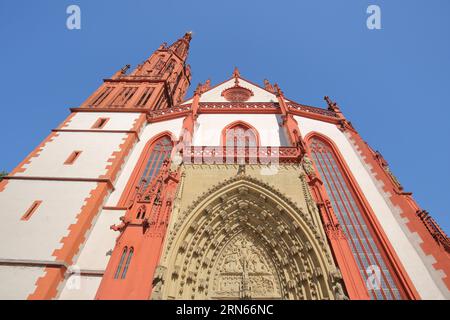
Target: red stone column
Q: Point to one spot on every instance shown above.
(354, 283)
(143, 228)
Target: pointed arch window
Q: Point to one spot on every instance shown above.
(122, 259)
(240, 135)
(160, 151)
(148, 165)
(125, 258)
(127, 264)
(372, 263)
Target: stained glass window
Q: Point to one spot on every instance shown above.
(350, 214)
(159, 152)
(241, 136)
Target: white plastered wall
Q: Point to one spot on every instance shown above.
(93, 258)
(80, 287)
(117, 120)
(407, 254)
(97, 249)
(17, 282)
(97, 149)
(37, 238)
(95, 253)
(215, 94)
(209, 128)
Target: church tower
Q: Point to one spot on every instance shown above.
(237, 192)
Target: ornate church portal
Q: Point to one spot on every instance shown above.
(244, 240)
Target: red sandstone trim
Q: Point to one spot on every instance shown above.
(119, 110)
(112, 208)
(31, 210)
(3, 184)
(100, 123)
(409, 208)
(47, 285)
(35, 153)
(118, 157)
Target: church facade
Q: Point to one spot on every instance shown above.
(235, 193)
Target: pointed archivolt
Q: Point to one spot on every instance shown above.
(243, 239)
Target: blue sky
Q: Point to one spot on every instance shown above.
(393, 84)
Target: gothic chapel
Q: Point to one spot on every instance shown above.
(235, 193)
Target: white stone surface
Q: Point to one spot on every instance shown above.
(17, 282)
(117, 120)
(100, 242)
(79, 287)
(97, 149)
(215, 94)
(210, 126)
(37, 238)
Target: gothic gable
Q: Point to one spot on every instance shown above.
(218, 93)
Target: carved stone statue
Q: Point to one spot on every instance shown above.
(338, 292)
(336, 287)
(158, 281)
(308, 166)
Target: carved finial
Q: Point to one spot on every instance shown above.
(277, 89)
(163, 46)
(236, 72)
(188, 35)
(268, 86)
(199, 88)
(121, 72)
(125, 69)
(206, 86)
(331, 104)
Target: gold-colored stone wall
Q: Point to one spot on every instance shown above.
(245, 232)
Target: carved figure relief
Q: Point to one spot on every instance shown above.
(244, 271)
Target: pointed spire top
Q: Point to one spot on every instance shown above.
(236, 75)
(236, 72)
(188, 36)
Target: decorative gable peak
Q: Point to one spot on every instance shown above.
(237, 93)
(235, 89)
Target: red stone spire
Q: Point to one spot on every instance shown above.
(159, 82)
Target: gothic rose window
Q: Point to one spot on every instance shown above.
(352, 218)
